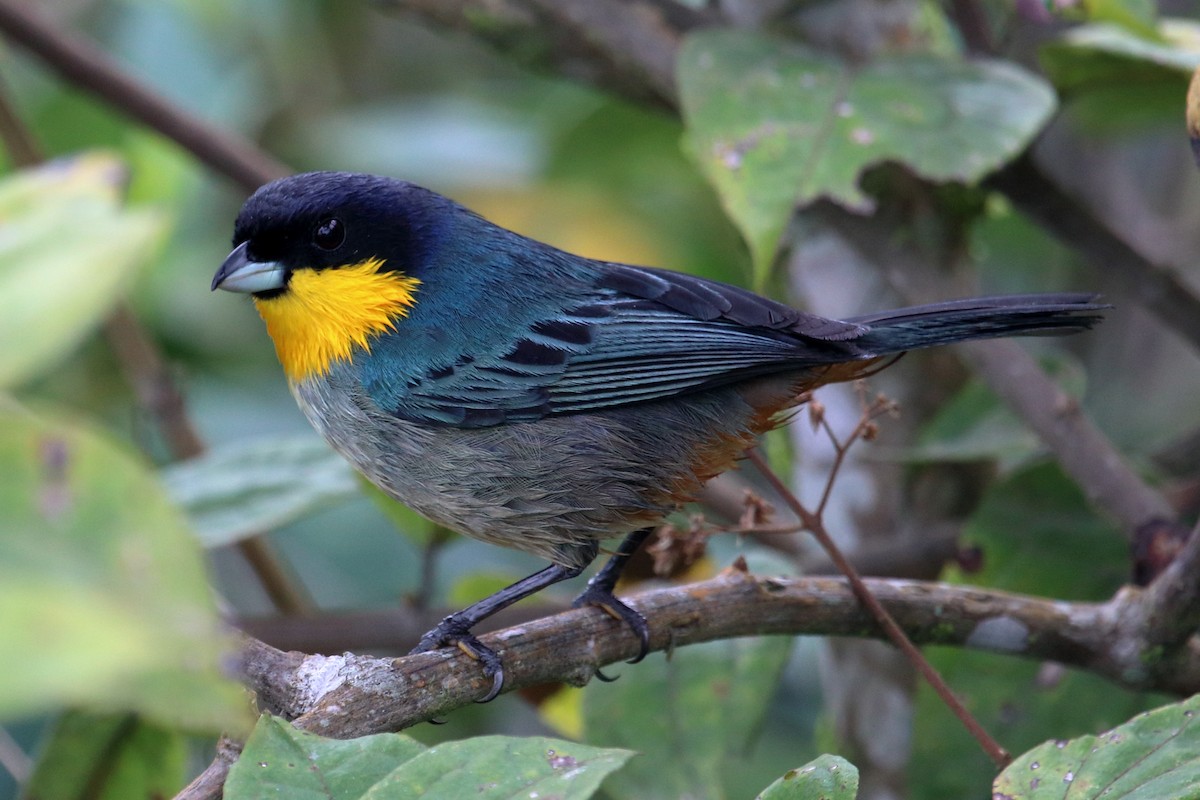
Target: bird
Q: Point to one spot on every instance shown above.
(536, 399)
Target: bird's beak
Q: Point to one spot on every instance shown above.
(240, 274)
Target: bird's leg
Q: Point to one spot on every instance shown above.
(599, 592)
(456, 628)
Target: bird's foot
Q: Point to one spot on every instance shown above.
(600, 595)
(451, 631)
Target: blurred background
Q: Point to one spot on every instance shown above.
(369, 87)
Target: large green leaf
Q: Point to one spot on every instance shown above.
(1097, 53)
(108, 757)
(241, 490)
(1114, 81)
(67, 249)
(1037, 532)
(280, 761)
(824, 778)
(103, 596)
(774, 125)
(1154, 756)
(690, 715)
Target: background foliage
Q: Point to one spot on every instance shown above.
(109, 647)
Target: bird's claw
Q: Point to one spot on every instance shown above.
(449, 632)
(603, 598)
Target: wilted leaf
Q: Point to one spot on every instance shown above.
(774, 125)
(1154, 756)
(67, 249)
(103, 597)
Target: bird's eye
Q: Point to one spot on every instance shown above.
(329, 234)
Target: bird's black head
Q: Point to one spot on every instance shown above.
(327, 220)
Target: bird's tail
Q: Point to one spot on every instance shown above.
(977, 318)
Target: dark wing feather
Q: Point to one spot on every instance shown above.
(645, 335)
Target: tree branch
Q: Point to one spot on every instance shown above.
(1082, 450)
(1157, 288)
(626, 47)
(80, 63)
(1170, 607)
(346, 695)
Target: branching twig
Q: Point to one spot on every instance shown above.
(814, 522)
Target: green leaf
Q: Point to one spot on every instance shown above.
(67, 252)
(496, 767)
(689, 716)
(109, 757)
(233, 492)
(974, 425)
(1136, 16)
(1019, 702)
(1036, 530)
(1154, 756)
(1038, 535)
(774, 125)
(1115, 81)
(103, 596)
(1098, 53)
(824, 778)
(281, 761)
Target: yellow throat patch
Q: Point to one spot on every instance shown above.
(324, 314)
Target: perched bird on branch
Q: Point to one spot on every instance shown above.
(536, 399)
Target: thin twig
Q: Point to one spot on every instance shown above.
(80, 63)
(894, 632)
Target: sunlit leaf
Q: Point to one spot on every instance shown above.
(67, 249)
(103, 597)
(775, 125)
(1154, 756)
